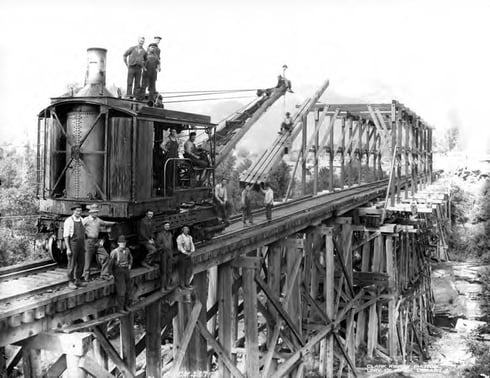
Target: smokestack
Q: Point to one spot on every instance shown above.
(95, 75)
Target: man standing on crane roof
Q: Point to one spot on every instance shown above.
(135, 59)
(156, 41)
(150, 72)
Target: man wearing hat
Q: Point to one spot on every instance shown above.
(120, 264)
(95, 245)
(156, 41)
(165, 245)
(152, 66)
(74, 236)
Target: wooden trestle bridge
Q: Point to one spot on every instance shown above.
(338, 274)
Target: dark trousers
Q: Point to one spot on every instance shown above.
(169, 177)
(247, 214)
(76, 261)
(134, 75)
(149, 80)
(268, 211)
(222, 209)
(165, 267)
(151, 252)
(199, 163)
(123, 286)
(92, 248)
(185, 269)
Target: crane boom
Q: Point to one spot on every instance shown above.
(259, 171)
(232, 130)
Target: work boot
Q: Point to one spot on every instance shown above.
(72, 285)
(144, 264)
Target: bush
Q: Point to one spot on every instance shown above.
(18, 206)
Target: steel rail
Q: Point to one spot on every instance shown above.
(23, 269)
(312, 203)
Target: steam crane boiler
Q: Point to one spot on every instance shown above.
(95, 148)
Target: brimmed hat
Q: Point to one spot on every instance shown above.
(157, 37)
(121, 239)
(76, 206)
(93, 208)
(166, 221)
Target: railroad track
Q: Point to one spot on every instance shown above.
(278, 210)
(25, 269)
(26, 280)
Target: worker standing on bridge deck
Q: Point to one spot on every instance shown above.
(221, 199)
(74, 236)
(165, 246)
(94, 245)
(268, 201)
(120, 265)
(246, 205)
(186, 247)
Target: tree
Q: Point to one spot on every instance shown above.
(279, 179)
(18, 206)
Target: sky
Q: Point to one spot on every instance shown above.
(432, 56)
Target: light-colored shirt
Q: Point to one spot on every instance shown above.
(190, 148)
(69, 226)
(185, 244)
(92, 226)
(220, 192)
(269, 197)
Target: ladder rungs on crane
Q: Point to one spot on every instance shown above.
(259, 171)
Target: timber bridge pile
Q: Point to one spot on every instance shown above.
(337, 277)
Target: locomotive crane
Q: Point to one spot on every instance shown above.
(95, 148)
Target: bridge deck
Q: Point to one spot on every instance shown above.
(33, 300)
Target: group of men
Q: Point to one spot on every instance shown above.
(143, 67)
(160, 250)
(81, 236)
(165, 157)
(221, 201)
(83, 241)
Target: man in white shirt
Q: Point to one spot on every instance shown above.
(185, 246)
(74, 236)
(268, 201)
(94, 245)
(221, 199)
